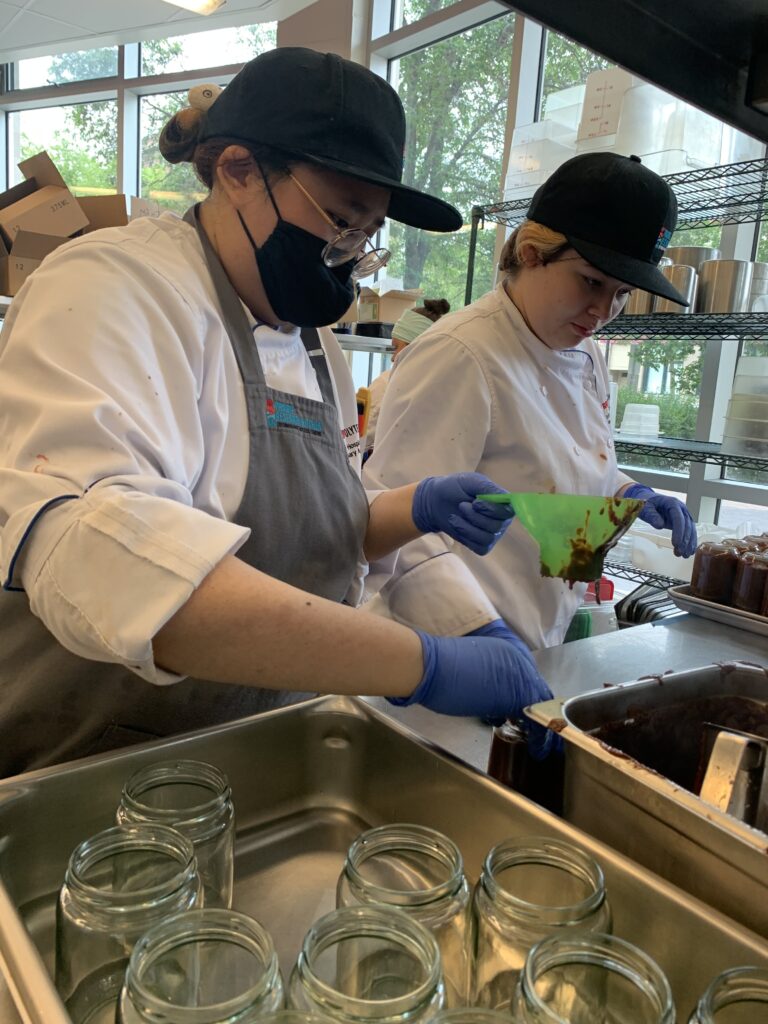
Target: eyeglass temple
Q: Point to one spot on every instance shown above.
(316, 205)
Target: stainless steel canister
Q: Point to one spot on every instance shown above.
(685, 280)
(724, 286)
(638, 302)
(692, 255)
(759, 287)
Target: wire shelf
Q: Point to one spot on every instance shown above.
(695, 451)
(708, 196)
(628, 572)
(694, 326)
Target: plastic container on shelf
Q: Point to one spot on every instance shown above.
(759, 287)
(670, 135)
(640, 420)
(738, 146)
(748, 406)
(751, 375)
(536, 150)
(603, 99)
(565, 105)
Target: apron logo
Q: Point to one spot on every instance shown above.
(283, 414)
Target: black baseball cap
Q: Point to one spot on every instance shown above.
(616, 213)
(328, 111)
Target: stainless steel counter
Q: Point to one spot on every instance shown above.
(684, 641)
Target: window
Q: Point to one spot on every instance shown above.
(455, 99)
(66, 67)
(207, 49)
(81, 139)
(174, 186)
(405, 12)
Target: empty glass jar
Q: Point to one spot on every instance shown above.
(202, 967)
(585, 979)
(363, 965)
(194, 798)
(117, 885)
(420, 871)
(738, 996)
(529, 888)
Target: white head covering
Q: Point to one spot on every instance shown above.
(410, 325)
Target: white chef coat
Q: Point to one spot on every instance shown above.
(479, 391)
(376, 390)
(119, 386)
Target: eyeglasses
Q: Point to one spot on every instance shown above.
(348, 244)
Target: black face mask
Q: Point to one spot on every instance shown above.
(300, 288)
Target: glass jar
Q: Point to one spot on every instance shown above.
(117, 885)
(202, 967)
(362, 965)
(421, 872)
(713, 573)
(734, 997)
(529, 888)
(750, 584)
(194, 798)
(510, 764)
(583, 979)
(471, 1015)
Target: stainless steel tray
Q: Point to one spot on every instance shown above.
(686, 601)
(646, 816)
(305, 781)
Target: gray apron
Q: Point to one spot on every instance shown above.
(307, 512)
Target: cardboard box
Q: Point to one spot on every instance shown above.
(28, 252)
(42, 203)
(387, 307)
(114, 211)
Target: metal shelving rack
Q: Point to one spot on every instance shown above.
(733, 194)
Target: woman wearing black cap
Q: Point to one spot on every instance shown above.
(529, 406)
(179, 467)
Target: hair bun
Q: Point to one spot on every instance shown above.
(201, 97)
(437, 306)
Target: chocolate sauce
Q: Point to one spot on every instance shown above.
(751, 580)
(714, 571)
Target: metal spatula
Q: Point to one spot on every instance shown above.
(736, 780)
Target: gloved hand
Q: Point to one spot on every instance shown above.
(541, 741)
(485, 677)
(446, 504)
(665, 513)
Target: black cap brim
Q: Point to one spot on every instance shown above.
(407, 205)
(638, 273)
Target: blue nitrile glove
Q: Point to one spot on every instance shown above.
(484, 677)
(541, 741)
(446, 504)
(665, 513)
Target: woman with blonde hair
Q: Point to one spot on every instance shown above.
(515, 386)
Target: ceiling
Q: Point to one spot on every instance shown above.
(712, 53)
(36, 28)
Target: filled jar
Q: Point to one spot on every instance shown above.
(713, 573)
(194, 798)
(421, 872)
(202, 967)
(749, 585)
(529, 889)
(583, 979)
(363, 965)
(117, 885)
(737, 996)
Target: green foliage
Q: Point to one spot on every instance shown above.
(568, 64)
(677, 418)
(680, 358)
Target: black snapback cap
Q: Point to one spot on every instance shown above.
(616, 213)
(330, 111)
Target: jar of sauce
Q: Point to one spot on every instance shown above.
(749, 585)
(714, 572)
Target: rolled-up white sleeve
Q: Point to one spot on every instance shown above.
(102, 362)
(420, 434)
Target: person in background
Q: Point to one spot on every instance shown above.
(515, 386)
(182, 523)
(411, 324)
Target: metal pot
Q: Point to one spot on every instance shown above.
(724, 286)
(685, 280)
(638, 302)
(692, 255)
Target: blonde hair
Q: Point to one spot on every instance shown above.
(548, 244)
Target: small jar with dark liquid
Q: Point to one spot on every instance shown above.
(740, 544)
(759, 540)
(714, 571)
(749, 586)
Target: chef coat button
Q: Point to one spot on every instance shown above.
(543, 390)
(576, 451)
(610, 443)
